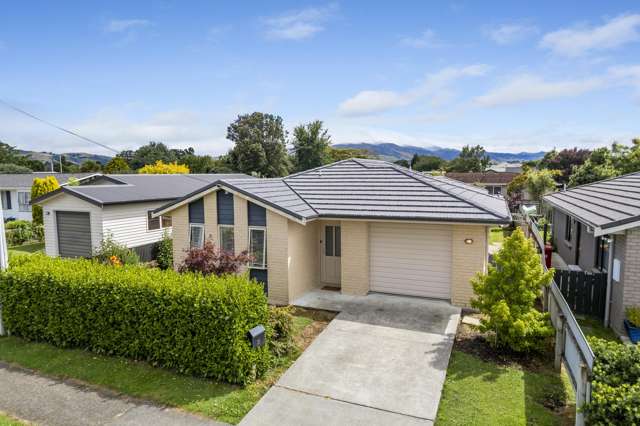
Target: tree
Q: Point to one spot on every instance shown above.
(403, 163)
(310, 146)
(338, 154)
(161, 168)
(10, 168)
(540, 182)
(564, 161)
(40, 187)
(150, 154)
(260, 145)
(117, 165)
(470, 159)
(507, 293)
(427, 163)
(600, 165)
(90, 166)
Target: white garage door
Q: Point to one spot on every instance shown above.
(411, 259)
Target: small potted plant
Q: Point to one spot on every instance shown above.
(632, 323)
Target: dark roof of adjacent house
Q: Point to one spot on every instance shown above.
(487, 178)
(25, 180)
(367, 189)
(135, 188)
(605, 204)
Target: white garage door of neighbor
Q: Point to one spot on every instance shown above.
(411, 259)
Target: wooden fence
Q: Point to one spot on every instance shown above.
(585, 292)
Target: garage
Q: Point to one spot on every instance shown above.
(410, 259)
(74, 234)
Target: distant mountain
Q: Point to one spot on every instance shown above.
(392, 152)
(73, 157)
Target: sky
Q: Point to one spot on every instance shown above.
(511, 76)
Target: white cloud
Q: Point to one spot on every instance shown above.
(510, 33)
(298, 24)
(577, 41)
(375, 101)
(527, 87)
(426, 39)
(123, 25)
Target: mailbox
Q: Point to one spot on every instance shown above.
(256, 336)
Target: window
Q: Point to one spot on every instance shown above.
(166, 221)
(153, 223)
(258, 247)
(24, 201)
(602, 253)
(6, 200)
(497, 190)
(226, 238)
(196, 235)
(568, 228)
(332, 243)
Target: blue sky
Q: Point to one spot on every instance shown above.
(512, 76)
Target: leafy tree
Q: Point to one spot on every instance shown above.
(40, 187)
(90, 166)
(10, 155)
(116, 165)
(10, 168)
(507, 293)
(161, 168)
(600, 165)
(338, 154)
(260, 145)
(403, 163)
(427, 163)
(540, 182)
(470, 159)
(310, 146)
(564, 161)
(210, 259)
(150, 154)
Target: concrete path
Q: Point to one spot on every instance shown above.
(381, 361)
(47, 401)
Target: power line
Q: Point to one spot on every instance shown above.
(28, 114)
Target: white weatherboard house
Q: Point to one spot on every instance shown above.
(15, 192)
(357, 225)
(78, 218)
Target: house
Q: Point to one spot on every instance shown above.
(355, 225)
(597, 227)
(508, 167)
(15, 192)
(494, 182)
(78, 218)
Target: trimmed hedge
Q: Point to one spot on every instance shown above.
(194, 324)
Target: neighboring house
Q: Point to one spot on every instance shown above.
(356, 225)
(597, 227)
(506, 167)
(494, 182)
(15, 192)
(78, 218)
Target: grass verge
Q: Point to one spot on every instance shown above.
(6, 420)
(496, 236)
(220, 401)
(27, 248)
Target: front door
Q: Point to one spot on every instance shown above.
(331, 253)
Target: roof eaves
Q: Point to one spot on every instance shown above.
(66, 190)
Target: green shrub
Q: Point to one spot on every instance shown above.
(633, 314)
(164, 255)
(188, 322)
(280, 330)
(615, 384)
(507, 294)
(18, 232)
(110, 248)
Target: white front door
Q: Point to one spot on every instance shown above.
(331, 252)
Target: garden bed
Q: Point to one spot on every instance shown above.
(486, 386)
(217, 400)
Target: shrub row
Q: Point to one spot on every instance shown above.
(21, 231)
(188, 322)
(615, 384)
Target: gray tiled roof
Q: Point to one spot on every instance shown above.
(603, 204)
(25, 180)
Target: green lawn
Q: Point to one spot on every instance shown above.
(593, 328)
(496, 236)
(27, 248)
(9, 421)
(220, 401)
(481, 393)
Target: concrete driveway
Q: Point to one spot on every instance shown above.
(381, 361)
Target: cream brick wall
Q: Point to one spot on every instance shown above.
(277, 258)
(467, 260)
(180, 233)
(631, 269)
(304, 258)
(240, 224)
(355, 257)
(211, 218)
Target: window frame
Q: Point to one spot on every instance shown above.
(164, 219)
(568, 228)
(28, 205)
(254, 265)
(220, 243)
(150, 218)
(200, 244)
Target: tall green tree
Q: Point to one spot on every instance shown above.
(116, 165)
(564, 161)
(600, 165)
(260, 145)
(90, 166)
(338, 154)
(311, 144)
(150, 154)
(470, 159)
(427, 163)
(40, 187)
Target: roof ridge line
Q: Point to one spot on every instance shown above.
(598, 181)
(324, 166)
(301, 197)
